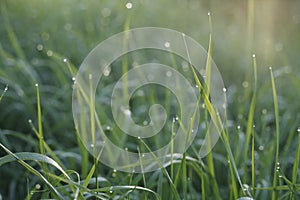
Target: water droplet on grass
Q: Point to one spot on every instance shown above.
(39, 47)
(49, 53)
(37, 186)
(139, 137)
(127, 112)
(261, 148)
(29, 121)
(126, 149)
(65, 60)
(6, 88)
(298, 130)
(90, 76)
(73, 79)
(167, 44)
(128, 5)
(106, 71)
(36, 85)
(253, 55)
(238, 127)
(168, 73)
(92, 145)
(245, 84)
(224, 89)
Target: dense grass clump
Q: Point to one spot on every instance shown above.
(42, 45)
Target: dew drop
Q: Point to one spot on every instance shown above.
(196, 86)
(203, 105)
(115, 170)
(90, 76)
(224, 105)
(245, 84)
(133, 171)
(127, 112)
(6, 88)
(106, 71)
(176, 118)
(145, 123)
(270, 68)
(168, 73)
(167, 44)
(92, 145)
(113, 175)
(36, 85)
(49, 53)
(128, 5)
(298, 130)
(29, 121)
(208, 13)
(143, 155)
(264, 111)
(37, 186)
(39, 47)
(65, 60)
(73, 79)
(261, 148)
(253, 125)
(224, 89)
(253, 55)
(238, 127)
(126, 149)
(139, 137)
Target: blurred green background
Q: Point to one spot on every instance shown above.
(37, 35)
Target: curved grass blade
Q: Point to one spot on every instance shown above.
(32, 156)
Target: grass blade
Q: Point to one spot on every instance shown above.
(14, 157)
(275, 100)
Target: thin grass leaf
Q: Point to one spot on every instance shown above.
(275, 100)
(250, 120)
(14, 157)
(173, 187)
(4, 91)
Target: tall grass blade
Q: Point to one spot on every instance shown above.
(250, 121)
(275, 100)
(296, 163)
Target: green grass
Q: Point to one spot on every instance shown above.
(42, 45)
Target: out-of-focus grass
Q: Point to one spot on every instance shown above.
(37, 36)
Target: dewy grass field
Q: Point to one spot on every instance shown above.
(255, 45)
